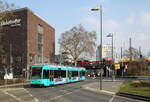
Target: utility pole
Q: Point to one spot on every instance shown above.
(100, 51)
(130, 48)
(122, 62)
(140, 52)
(101, 44)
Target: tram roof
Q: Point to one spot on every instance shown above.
(57, 67)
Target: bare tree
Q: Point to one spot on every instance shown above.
(5, 14)
(78, 42)
(134, 53)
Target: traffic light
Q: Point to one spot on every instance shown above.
(104, 62)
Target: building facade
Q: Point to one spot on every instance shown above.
(106, 52)
(26, 40)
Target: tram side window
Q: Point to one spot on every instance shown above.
(83, 73)
(46, 74)
(80, 73)
(63, 73)
(74, 73)
(59, 73)
(56, 74)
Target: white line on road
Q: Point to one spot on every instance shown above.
(112, 98)
(19, 99)
(35, 99)
(57, 97)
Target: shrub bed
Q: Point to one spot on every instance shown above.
(128, 87)
(141, 83)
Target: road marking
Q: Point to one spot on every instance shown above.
(28, 92)
(36, 100)
(112, 98)
(19, 99)
(57, 97)
(6, 91)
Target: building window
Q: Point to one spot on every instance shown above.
(40, 28)
(3, 59)
(32, 58)
(40, 38)
(40, 48)
(45, 60)
(39, 59)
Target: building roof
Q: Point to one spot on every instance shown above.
(26, 8)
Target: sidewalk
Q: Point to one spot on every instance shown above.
(112, 87)
(108, 86)
(14, 85)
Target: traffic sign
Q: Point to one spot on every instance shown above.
(117, 66)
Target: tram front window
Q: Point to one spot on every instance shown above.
(36, 72)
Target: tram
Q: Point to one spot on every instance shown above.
(47, 75)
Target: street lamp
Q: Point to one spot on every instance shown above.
(100, 9)
(112, 51)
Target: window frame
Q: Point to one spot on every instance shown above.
(40, 38)
(40, 28)
(32, 58)
(47, 75)
(40, 48)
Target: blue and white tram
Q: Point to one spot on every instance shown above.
(46, 75)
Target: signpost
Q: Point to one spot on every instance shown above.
(101, 75)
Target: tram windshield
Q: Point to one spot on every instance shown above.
(36, 72)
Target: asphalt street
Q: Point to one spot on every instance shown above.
(61, 93)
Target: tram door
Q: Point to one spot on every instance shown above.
(66, 76)
(79, 75)
(51, 75)
(70, 75)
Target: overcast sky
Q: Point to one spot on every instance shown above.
(124, 18)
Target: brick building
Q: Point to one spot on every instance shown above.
(26, 40)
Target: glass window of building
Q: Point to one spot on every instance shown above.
(40, 28)
(40, 38)
(45, 60)
(32, 58)
(40, 48)
(39, 59)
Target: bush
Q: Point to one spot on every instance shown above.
(141, 83)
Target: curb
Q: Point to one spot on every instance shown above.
(10, 85)
(97, 90)
(138, 97)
